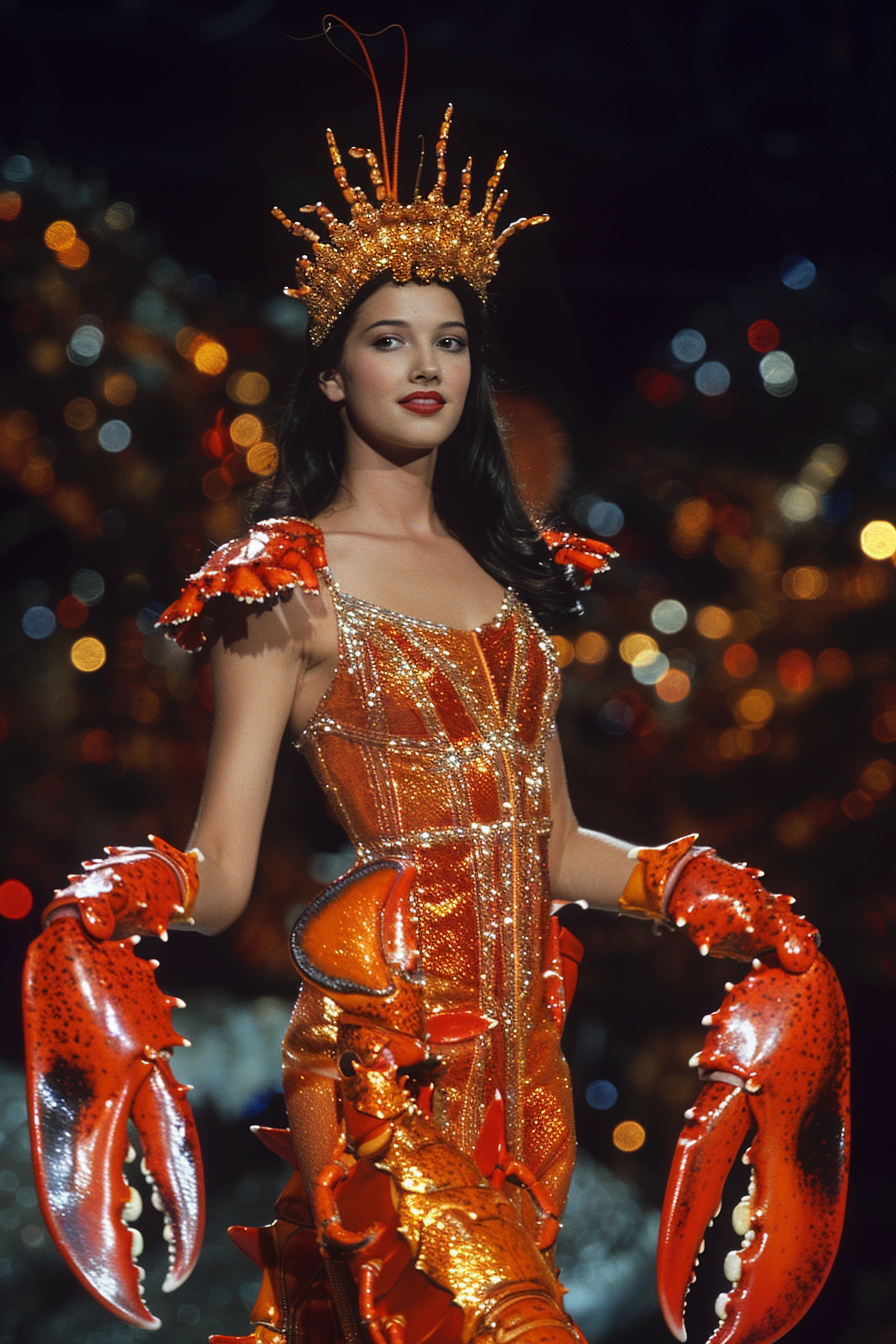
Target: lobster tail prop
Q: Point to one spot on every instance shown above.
(98, 1038)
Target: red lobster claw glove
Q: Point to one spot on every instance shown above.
(134, 890)
(98, 1038)
(723, 907)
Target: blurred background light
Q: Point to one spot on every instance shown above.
(16, 899)
(591, 647)
(119, 215)
(87, 586)
(262, 458)
(805, 582)
(605, 519)
(712, 378)
(10, 204)
(249, 388)
(633, 645)
(80, 413)
(778, 373)
(740, 660)
(85, 345)
(38, 622)
(713, 622)
(669, 616)
(629, 1136)
(763, 336)
(120, 389)
(88, 654)
(674, 687)
(18, 168)
(836, 506)
(601, 1094)
(648, 667)
(114, 436)
(209, 357)
(795, 671)
(797, 503)
(564, 649)
(754, 708)
(796, 272)
(60, 235)
(688, 346)
(878, 539)
(246, 430)
(615, 717)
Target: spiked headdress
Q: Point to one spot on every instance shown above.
(424, 241)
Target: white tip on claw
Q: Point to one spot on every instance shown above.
(704, 949)
(694, 1061)
(757, 964)
(721, 1306)
(707, 1020)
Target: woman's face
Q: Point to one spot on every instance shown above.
(403, 377)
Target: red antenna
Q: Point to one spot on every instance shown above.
(390, 174)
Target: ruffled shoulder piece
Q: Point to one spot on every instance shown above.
(277, 555)
(582, 555)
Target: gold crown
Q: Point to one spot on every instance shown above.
(426, 240)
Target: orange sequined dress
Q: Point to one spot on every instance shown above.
(429, 745)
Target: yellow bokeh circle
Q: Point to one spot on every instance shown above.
(262, 458)
(60, 235)
(629, 1136)
(209, 357)
(878, 540)
(246, 430)
(88, 654)
(633, 645)
(754, 708)
(713, 622)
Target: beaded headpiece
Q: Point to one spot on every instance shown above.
(424, 241)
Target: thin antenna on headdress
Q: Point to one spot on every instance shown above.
(390, 174)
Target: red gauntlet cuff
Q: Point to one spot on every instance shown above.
(138, 890)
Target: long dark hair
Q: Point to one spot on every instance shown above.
(473, 489)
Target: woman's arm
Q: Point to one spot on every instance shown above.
(585, 865)
(255, 682)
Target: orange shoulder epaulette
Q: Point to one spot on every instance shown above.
(583, 555)
(276, 555)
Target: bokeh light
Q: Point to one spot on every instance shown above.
(119, 389)
(605, 519)
(795, 671)
(97, 746)
(796, 272)
(248, 388)
(38, 622)
(633, 645)
(797, 503)
(615, 717)
(674, 687)
(763, 336)
(878, 776)
(262, 458)
(601, 1094)
(712, 378)
(88, 654)
(114, 436)
(85, 345)
(805, 582)
(10, 204)
(669, 616)
(208, 356)
(713, 622)
(688, 346)
(564, 649)
(16, 900)
(80, 413)
(754, 708)
(87, 586)
(649, 666)
(74, 257)
(119, 215)
(778, 373)
(629, 1136)
(740, 660)
(60, 235)
(246, 430)
(591, 647)
(878, 539)
(70, 612)
(834, 666)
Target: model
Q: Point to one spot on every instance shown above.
(383, 611)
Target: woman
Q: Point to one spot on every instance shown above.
(394, 641)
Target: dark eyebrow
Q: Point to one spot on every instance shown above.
(400, 322)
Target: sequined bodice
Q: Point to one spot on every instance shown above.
(430, 744)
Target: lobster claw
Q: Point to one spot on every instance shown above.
(98, 1038)
(777, 1057)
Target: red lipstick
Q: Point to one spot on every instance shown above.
(423, 403)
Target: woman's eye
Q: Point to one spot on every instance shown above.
(452, 343)
(386, 342)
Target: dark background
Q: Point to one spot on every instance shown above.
(682, 150)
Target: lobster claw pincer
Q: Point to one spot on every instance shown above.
(777, 1058)
(98, 1039)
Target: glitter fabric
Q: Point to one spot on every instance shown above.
(429, 745)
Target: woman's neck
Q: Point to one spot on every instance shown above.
(380, 495)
